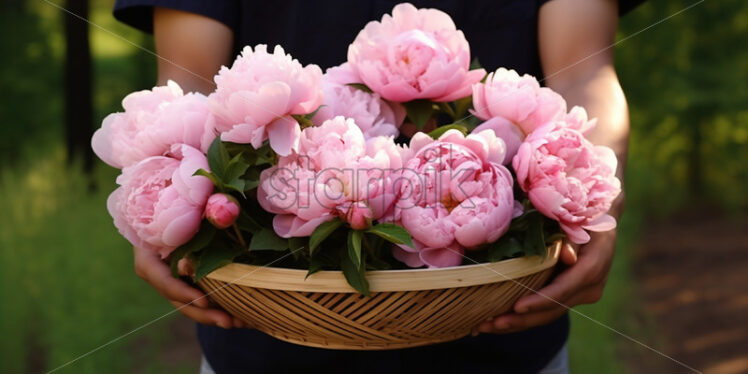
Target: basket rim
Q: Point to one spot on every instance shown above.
(286, 279)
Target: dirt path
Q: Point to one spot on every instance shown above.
(693, 276)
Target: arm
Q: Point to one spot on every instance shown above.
(191, 49)
(571, 35)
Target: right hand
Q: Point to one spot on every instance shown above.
(188, 300)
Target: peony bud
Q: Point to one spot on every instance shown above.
(359, 216)
(221, 210)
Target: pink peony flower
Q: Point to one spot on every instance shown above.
(159, 204)
(255, 98)
(221, 210)
(375, 116)
(454, 195)
(414, 54)
(507, 131)
(520, 100)
(335, 170)
(568, 179)
(577, 119)
(513, 106)
(153, 121)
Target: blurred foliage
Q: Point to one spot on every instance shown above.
(684, 79)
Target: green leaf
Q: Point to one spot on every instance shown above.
(235, 168)
(462, 106)
(312, 114)
(218, 158)
(201, 240)
(267, 239)
(534, 237)
(296, 244)
(354, 246)
(322, 232)
(439, 131)
(251, 184)
(377, 264)
(506, 247)
(237, 185)
(360, 86)
(315, 265)
(213, 178)
(392, 233)
(355, 275)
(447, 109)
(303, 121)
(475, 64)
(419, 111)
(213, 258)
(323, 260)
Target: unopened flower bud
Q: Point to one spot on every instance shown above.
(221, 210)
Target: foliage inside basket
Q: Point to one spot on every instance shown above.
(334, 245)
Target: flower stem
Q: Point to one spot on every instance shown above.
(239, 236)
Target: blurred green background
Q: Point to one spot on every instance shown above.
(67, 284)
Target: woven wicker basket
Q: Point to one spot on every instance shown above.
(406, 308)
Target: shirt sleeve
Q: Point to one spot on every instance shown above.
(139, 13)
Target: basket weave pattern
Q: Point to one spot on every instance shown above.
(385, 320)
(391, 319)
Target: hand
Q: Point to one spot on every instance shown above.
(582, 282)
(189, 300)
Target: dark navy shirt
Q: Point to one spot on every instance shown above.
(501, 33)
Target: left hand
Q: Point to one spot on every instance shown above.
(582, 282)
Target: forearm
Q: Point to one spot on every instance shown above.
(600, 93)
(575, 38)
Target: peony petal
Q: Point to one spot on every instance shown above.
(407, 255)
(287, 225)
(603, 223)
(576, 234)
(442, 257)
(506, 131)
(284, 134)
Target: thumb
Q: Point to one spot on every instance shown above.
(185, 267)
(568, 253)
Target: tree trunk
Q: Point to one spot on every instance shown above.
(78, 101)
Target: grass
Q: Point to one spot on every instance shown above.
(68, 285)
(597, 349)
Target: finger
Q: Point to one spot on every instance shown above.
(184, 267)
(238, 323)
(568, 253)
(158, 275)
(557, 292)
(177, 290)
(205, 316)
(512, 322)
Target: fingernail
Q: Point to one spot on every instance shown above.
(223, 325)
(521, 309)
